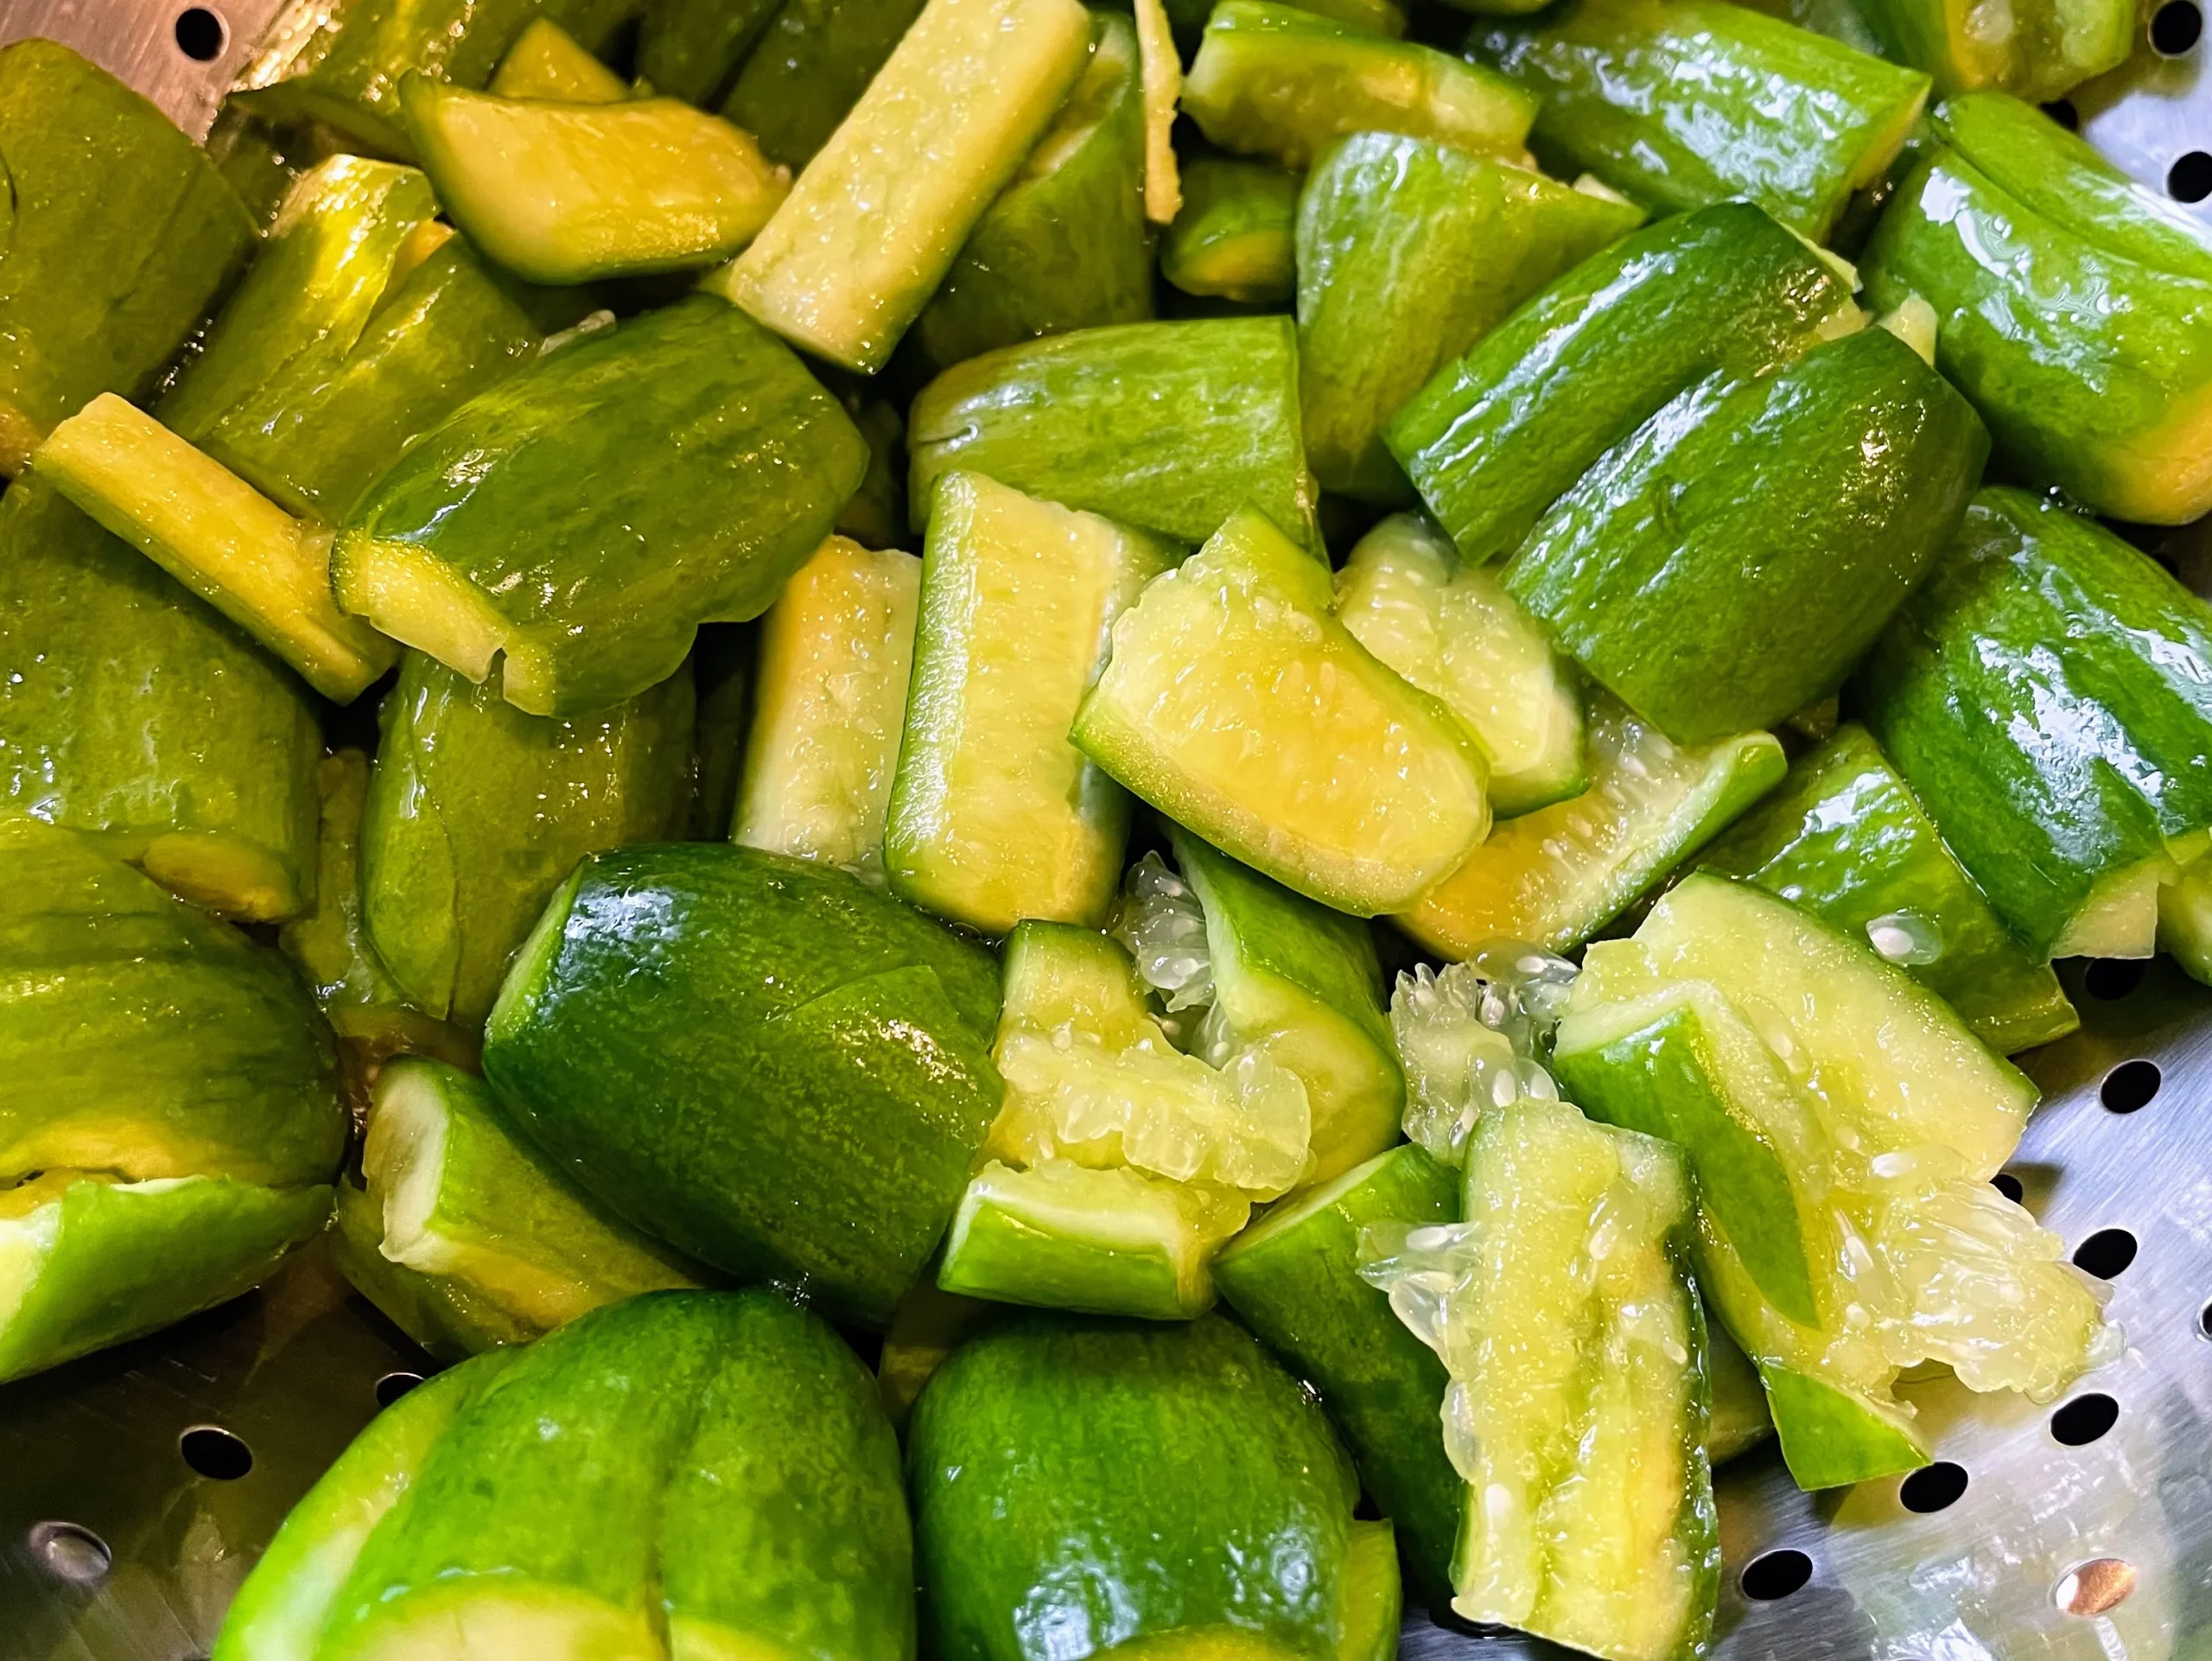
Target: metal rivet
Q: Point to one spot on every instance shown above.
(70, 1552)
(2092, 1587)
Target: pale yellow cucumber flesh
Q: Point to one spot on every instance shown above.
(545, 62)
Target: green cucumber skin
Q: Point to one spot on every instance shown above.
(1236, 234)
(1065, 250)
(720, 1459)
(1492, 439)
(1300, 1290)
(1833, 483)
(129, 707)
(1408, 252)
(1168, 426)
(807, 69)
(1844, 839)
(1690, 102)
(2046, 770)
(690, 49)
(1104, 1480)
(442, 1314)
(476, 812)
(670, 471)
(121, 235)
(2049, 48)
(781, 1051)
(2079, 329)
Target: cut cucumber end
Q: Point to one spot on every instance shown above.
(420, 602)
(2120, 917)
(532, 967)
(234, 879)
(1831, 1438)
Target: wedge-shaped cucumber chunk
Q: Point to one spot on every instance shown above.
(476, 812)
(1281, 81)
(2072, 307)
(1554, 877)
(1235, 235)
(711, 1465)
(545, 62)
(783, 1051)
(809, 69)
(1493, 439)
(1366, 792)
(837, 654)
(566, 193)
(444, 1314)
(2185, 919)
(120, 236)
(1294, 1278)
(1842, 1123)
(550, 527)
(1408, 252)
(1680, 105)
(690, 49)
(1844, 839)
(2048, 696)
(1200, 1485)
(247, 558)
(1066, 245)
(1740, 1420)
(1168, 427)
(2046, 52)
(279, 1613)
(1449, 627)
(875, 223)
(1577, 1408)
(995, 816)
(1838, 479)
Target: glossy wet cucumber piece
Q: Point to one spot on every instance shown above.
(881, 211)
(545, 62)
(1556, 876)
(1169, 427)
(2071, 784)
(1449, 627)
(1235, 235)
(583, 551)
(1838, 479)
(2046, 52)
(1408, 252)
(809, 67)
(1368, 791)
(995, 816)
(121, 235)
(690, 49)
(443, 1314)
(1492, 439)
(1844, 839)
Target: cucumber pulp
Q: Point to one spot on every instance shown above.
(1281, 81)
(1450, 628)
(2048, 50)
(994, 815)
(1554, 877)
(1233, 235)
(1474, 1037)
(1369, 793)
(852, 257)
(836, 653)
(545, 62)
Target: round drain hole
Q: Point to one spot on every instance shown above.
(393, 1385)
(1773, 1576)
(2092, 1587)
(199, 34)
(1934, 1487)
(2106, 1254)
(70, 1552)
(2130, 1085)
(2112, 978)
(2189, 179)
(215, 1453)
(2084, 1419)
(2062, 112)
(2175, 28)
(2008, 1185)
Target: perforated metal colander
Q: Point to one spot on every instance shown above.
(138, 1486)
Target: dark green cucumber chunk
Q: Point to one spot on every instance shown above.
(691, 49)
(809, 67)
(1493, 439)
(1235, 235)
(580, 550)
(1845, 838)
(120, 235)
(2048, 696)
(783, 1051)
(1728, 563)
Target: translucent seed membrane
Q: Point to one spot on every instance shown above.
(1164, 926)
(1474, 1036)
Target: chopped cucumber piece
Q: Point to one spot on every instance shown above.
(835, 654)
(1056, 975)
(2070, 787)
(995, 816)
(1493, 439)
(1294, 1278)
(2045, 50)
(1556, 876)
(1473, 1038)
(872, 227)
(721, 675)
(565, 193)
(1233, 235)
(1366, 792)
(2185, 920)
(545, 62)
(447, 1317)
(1838, 479)
(1450, 627)
(1168, 427)
(1576, 1414)
(1844, 839)
(809, 69)
(1740, 1420)
(1691, 102)
(263, 569)
(1162, 67)
(1408, 252)
(690, 49)
(1281, 81)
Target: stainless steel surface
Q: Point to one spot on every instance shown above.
(136, 40)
